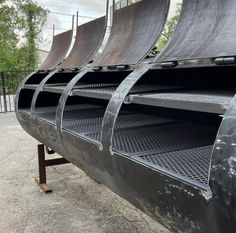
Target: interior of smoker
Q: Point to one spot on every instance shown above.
(169, 120)
(171, 127)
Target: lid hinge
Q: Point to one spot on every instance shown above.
(225, 60)
(170, 64)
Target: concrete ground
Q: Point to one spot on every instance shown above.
(77, 204)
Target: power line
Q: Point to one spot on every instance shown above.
(80, 8)
(58, 28)
(66, 14)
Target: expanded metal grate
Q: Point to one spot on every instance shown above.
(106, 92)
(159, 138)
(83, 125)
(191, 164)
(24, 110)
(163, 138)
(77, 115)
(59, 88)
(46, 113)
(49, 116)
(125, 120)
(72, 112)
(95, 136)
(95, 85)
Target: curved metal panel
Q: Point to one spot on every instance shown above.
(60, 46)
(206, 29)
(135, 31)
(87, 42)
(62, 102)
(115, 105)
(223, 167)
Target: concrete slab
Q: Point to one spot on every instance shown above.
(77, 204)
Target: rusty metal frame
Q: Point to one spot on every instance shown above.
(43, 164)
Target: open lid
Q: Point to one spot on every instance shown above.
(134, 32)
(60, 46)
(206, 29)
(88, 39)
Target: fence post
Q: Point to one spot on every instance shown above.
(4, 91)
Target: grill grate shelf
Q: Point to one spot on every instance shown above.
(191, 165)
(193, 101)
(60, 88)
(125, 120)
(107, 92)
(71, 112)
(159, 138)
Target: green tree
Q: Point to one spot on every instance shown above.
(19, 16)
(131, 1)
(8, 37)
(169, 28)
(33, 19)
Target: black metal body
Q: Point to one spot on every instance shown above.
(206, 27)
(151, 133)
(129, 33)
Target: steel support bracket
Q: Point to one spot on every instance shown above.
(43, 163)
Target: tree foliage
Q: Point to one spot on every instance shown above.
(169, 28)
(33, 19)
(8, 36)
(20, 17)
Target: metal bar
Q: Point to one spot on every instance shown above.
(42, 164)
(1, 108)
(54, 162)
(4, 92)
(42, 180)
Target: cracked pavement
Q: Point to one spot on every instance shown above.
(77, 204)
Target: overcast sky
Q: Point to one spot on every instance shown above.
(61, 12)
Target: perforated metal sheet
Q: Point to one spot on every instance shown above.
(212, 103)
(191, 164)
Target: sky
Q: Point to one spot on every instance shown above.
(61, 11)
